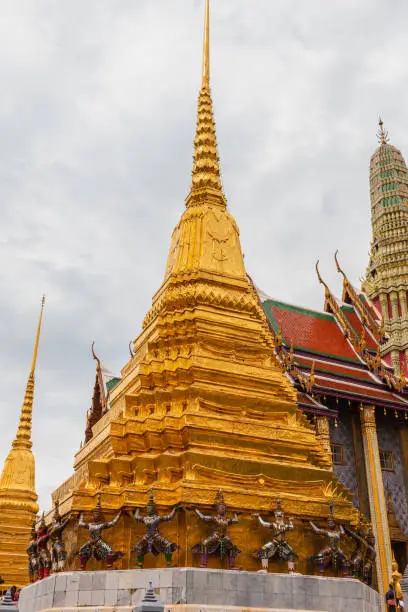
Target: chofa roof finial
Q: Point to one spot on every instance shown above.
(321, 279)
(98, 367)
(336, 259)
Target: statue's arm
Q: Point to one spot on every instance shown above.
(355, 536)
(65, 523)
(203, 517)
(316, 529)
(168, 517)
(82, 522)
(137, 516)
(114, 522)
(264, 523)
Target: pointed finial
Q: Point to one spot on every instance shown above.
(8, 600)
(23, 436)
(382, 134)
(206, 50)
(37, 338)
(320, 278)
(150, 596)
(98, 367)
(336, 259)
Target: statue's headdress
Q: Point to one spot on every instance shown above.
(279, 513)
(331, 513)
(57, 517)
(97, 513)
(33, 530)
(151, 507)
(41, 525)
(219, 502)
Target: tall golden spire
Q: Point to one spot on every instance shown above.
(23, 437)
(206, 50)
(206, 177)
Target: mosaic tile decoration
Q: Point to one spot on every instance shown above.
(346, 473)
(389, 439)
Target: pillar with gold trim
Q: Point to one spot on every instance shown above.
(323, 432)
(378, 507)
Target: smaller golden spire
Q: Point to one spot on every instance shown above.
(23, 437)
(382, 134)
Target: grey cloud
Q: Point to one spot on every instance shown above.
(97, 119)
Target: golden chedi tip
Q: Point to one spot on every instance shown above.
(23, 437)
(206, 176)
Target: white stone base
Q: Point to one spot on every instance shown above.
(186, 608)
(194, 589)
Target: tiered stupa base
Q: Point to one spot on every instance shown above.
(193, 589)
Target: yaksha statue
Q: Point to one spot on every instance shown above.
(277, 546)
(331, 555)
(44, 561)
(153, 541)
(218, 540)
(369, 557)
(363, 559)
(58, 552)
(96, 547)
(33, 555)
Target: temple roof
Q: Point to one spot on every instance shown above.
(105, 381)
(316, 349)
(309, 330)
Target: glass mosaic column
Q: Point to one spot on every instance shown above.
(378, 507)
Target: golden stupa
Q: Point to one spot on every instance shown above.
(18, 498)
(203, 404)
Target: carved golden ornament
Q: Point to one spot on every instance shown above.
(396, 579)
(368, 421)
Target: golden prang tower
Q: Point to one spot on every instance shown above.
(204, 404)
(18, 498)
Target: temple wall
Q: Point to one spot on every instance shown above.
(389, 438)
(346, 472)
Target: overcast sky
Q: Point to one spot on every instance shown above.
(97, 118)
